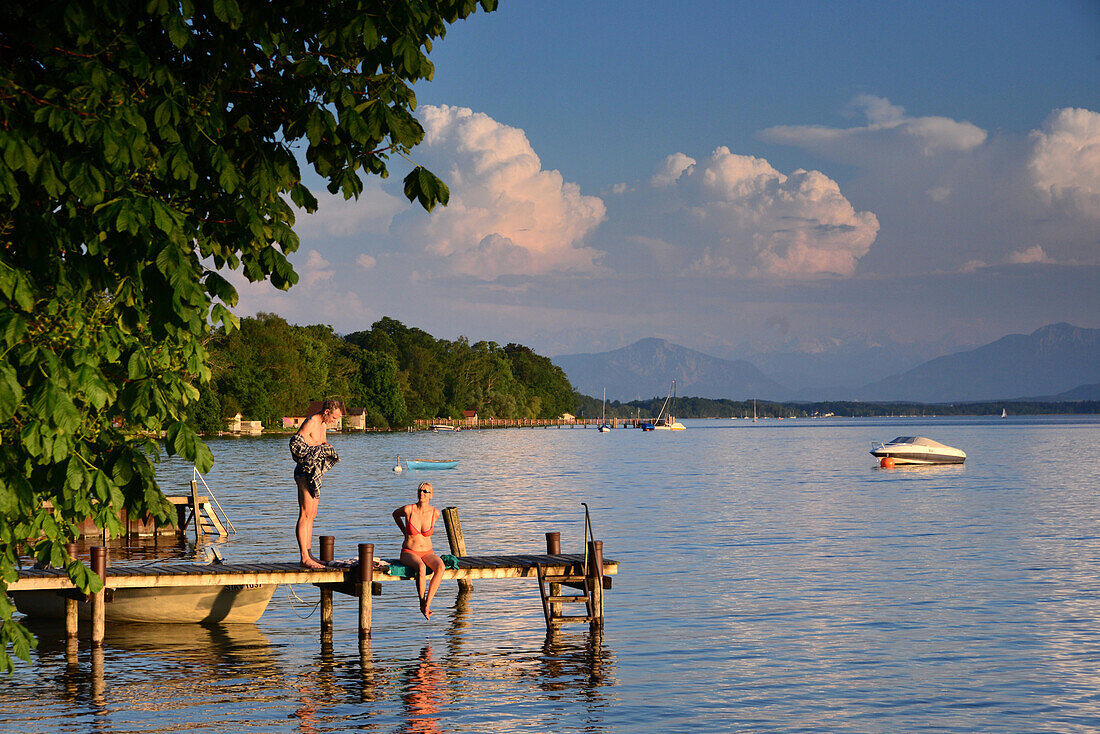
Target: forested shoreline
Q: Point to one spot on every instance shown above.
(268, 368)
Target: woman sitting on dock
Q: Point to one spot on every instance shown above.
(417, 523)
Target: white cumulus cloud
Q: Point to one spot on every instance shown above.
(317, 270)
(506, 214)
(1065, 159)
(751, 220)
(888, 129)
(1033, 254)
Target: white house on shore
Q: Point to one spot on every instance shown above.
(236, 425)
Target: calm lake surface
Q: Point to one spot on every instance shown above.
(772, 579)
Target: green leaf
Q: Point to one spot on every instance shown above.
(95, 388)
(425, 187)
(178, 33)
(219, 287)
(219, 314)
(11, 393)
(227, 12)
(83, 578)
(12, 327)
(180, 439)
(137, 367)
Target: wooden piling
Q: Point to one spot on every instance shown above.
(595, 552)
(328, 553)
(366, 580)
(456, 540)
(99, 601)
(553, 548)
(71, 604)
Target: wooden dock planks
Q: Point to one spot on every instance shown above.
(157, 575)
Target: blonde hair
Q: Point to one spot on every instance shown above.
(425, 484)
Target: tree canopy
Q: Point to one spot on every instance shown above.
(145, 148)
(268, 369)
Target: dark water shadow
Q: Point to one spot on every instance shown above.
(186, 661)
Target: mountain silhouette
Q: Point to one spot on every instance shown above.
(646, 368)
(1052, 360)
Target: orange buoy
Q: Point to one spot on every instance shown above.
(887, 462)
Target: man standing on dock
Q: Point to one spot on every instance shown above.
(314, 456)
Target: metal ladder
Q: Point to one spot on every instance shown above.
(204, 516)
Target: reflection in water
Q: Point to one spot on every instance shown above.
(926, 469)
(566, 664)
(585, 666)
(368, 686)
(423, 694)
(903, 600)
(145, 670)
(460, 620)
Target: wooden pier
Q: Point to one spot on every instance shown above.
(204, 520)
(491, 423)
(588, 572)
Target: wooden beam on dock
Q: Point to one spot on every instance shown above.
(128, 576)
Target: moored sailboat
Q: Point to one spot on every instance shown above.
(605, 427)
(668, 422)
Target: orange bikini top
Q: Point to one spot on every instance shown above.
(414, 531)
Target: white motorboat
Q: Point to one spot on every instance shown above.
(917, 450)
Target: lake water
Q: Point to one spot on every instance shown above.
(772, 579)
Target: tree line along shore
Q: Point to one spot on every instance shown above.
(268, 369)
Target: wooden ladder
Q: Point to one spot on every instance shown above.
(553, 599)
(588, 579)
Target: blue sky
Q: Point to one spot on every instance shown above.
(735, 177)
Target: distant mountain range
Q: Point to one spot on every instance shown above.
(1048, 361)
(1057, 362)
(646, 369)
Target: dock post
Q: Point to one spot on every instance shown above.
(99, 601)
(328, 546)
(456, 540)
(595, 552)
(553, 548)
(366, 579)
(71, 604)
